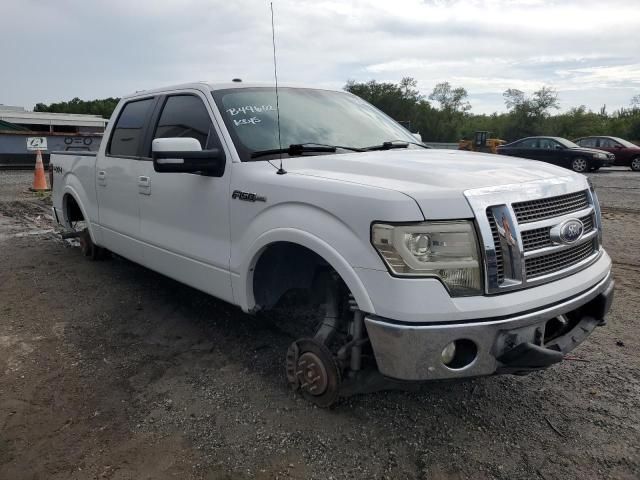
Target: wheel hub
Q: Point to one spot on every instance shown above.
(312, 369)
(311, 374)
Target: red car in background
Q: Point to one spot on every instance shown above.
(627, 154)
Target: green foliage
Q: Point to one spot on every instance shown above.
(526, 115)
(103, 107)
(453, 100)
(400, 101)
(404, 103)
(577, 122)
(452, 111)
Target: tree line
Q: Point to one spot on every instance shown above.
(103, 107)
(445, 114)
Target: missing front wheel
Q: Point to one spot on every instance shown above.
(313, 370)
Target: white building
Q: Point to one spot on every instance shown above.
(49, 122)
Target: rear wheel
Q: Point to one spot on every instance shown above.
(77, 227)
(635, 164)
(580, 165)
(90, 249)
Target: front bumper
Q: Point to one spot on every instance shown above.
(524, 342)
(603, 162)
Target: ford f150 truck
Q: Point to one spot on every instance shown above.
(421, 264)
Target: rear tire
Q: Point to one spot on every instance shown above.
(580, 165)
(90, 249)
(86, 244)
(635, 164)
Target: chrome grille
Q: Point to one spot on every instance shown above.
(540, 237)
(533, 210)
(519, 250)
(537, 238)
(553, 262)
(496, 242)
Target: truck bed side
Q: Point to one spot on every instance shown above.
(74, 177)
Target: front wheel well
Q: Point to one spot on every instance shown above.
(286, 266)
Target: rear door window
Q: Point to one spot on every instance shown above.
(186, 116)
(128, 130)
(608, 143)
(528, 143)
(587, 142)
(548, 144)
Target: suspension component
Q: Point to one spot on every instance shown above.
(353, 305)
(331, 305)
(357, 334)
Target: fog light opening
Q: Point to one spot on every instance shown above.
(557, 327)
(448, 353)
(459, 354)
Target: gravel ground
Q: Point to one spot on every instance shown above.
(110, 371)
(14, 183)
(618, 187)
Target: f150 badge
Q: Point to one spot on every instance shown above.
(248, 197)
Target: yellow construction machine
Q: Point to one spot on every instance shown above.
(481, 143)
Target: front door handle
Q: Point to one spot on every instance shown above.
(144, 185)
(102, 178)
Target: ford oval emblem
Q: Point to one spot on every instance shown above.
(567, 232)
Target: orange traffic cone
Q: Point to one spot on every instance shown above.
(39, 178)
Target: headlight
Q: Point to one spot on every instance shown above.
(602, 156)
(446, 250)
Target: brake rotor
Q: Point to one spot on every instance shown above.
(312, 369)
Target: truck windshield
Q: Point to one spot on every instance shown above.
(307, 116)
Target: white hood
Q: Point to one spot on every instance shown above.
(435, 179)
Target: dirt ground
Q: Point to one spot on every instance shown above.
(111, 371)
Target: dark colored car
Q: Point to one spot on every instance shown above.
(559, 151)
(627, 154)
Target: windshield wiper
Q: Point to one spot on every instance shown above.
(300, 148)
(394, 144)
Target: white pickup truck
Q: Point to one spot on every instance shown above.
(423, 264)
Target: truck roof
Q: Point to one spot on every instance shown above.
(218, 86)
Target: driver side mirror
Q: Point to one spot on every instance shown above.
(559, 147)
(185, 155)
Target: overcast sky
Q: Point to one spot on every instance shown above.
(588, 50)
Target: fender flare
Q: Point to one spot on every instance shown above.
(243, 284)
(69, 190)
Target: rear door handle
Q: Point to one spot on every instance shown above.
(102, 178)
(144, 185)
